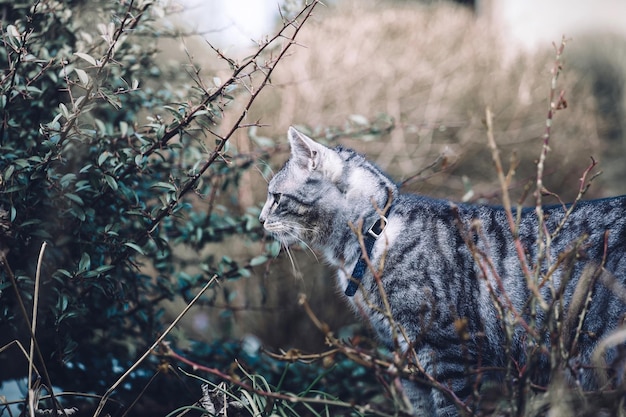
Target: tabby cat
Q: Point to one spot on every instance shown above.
(452, 273)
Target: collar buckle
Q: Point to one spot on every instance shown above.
(378, 227)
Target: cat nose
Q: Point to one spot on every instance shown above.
(263, 216)
(264, 213)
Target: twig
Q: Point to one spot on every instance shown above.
(32, 406)
(396, 368)
(506, 202)
(544, 238)
(418, 175)
(582, 189)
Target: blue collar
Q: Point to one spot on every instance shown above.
(369, 238)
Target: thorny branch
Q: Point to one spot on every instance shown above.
(506, 202)
(304, 15)
(543, 237)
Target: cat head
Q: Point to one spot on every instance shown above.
(321, 190)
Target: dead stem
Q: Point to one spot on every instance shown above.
(506, 202)
(32, 404)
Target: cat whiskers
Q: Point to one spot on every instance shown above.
(301, 229)
(263, 174)
(294, 267)
(306, 245)
(286, 249)
(290, 234)
(301, 241)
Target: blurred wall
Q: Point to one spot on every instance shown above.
(533, 24)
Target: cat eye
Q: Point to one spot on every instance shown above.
(276, 197)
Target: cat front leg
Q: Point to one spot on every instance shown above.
(426, 399)
(444, 408)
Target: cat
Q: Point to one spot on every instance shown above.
(452, 273)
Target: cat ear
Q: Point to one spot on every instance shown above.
(313, 156)
(305, 151)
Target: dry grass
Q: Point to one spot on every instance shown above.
(434, 69)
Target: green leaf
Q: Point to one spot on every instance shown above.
(62, 303)
(67, 179)
(64, 111)
(176, 113)
(78, 212)
(78, 102)
(84, 169)
(12, 31)
(85, 262)
(111, 98)
(87, 58)
(258, 260)
(82, 76)
(75, 199)
(103, 157)
(64, 272)
(274, 248)
(164, 185)
(140, 160)
(111, 182)
(104, 268)
(22, 163)
(101, 126)
(358, 120)
(8, 172)
(134, 246)
(123, 128)
(30, 222)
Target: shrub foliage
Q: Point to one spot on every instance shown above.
(114, 158)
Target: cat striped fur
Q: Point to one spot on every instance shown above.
(452, 272)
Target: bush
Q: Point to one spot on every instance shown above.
(112, 159)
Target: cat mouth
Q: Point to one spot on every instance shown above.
(279, 232)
